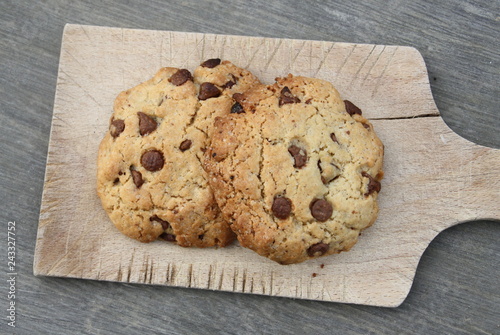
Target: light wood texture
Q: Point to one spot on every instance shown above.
(433, 178)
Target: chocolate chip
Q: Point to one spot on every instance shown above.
(231, 82)
(366, 125)
(373, 185)
(238, 97)
(168, 237)
(186, 144)
(152, 160)
(237, 108)
(200, 237)
(286, 97)
(207, 91)
(351, 108)
(116, 127)
(334, 138)
(299, 155)
(282, 207)
(146, 124)
(180, 77)
(211, 63)
(137, 178)
(321, 209)
(164, 224)
(318, 249)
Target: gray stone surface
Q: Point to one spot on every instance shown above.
(457, 286)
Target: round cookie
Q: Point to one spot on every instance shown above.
(296, 171)
(149, 174)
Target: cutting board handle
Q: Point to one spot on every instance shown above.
(471, 173)
(432, 173)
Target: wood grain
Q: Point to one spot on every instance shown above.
(434, 178)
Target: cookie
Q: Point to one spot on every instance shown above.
(149, 174)
(296, 171)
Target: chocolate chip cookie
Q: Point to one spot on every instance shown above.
(295, 169)
(150, 179)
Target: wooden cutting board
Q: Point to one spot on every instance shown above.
(434, 179)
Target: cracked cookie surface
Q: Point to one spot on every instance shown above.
(149, 174)
(295, 169)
